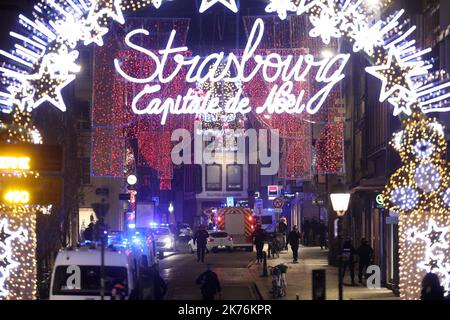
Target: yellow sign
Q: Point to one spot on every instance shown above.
(14, 163)
(17, 197)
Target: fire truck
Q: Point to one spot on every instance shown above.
(239, 223)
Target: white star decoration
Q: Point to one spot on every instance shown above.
(94, 33)
(402, 103)
(389, 87)
(281, 7)
(230, 4)
(110, 8)
(7, 252)
(53, 94)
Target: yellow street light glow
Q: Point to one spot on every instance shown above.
(17, 197)
(14, 163)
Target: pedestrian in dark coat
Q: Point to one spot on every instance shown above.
(259, 236)
(210, 284)
(294, 240)
(348, 261)
(323, 235)
(365, 253)
(201, 238)
(431, 288)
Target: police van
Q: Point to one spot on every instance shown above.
(77, 271)
(76, 274)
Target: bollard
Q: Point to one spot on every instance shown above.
(265, 273)
(297, 296)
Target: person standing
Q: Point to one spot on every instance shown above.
(348, 252)
(201, 238)
(364, 253)
(283, 228)
(210, 284)
(323, 235)
(259, 236)
(294, 240)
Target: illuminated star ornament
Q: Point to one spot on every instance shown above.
(230, 4)
(109, 8)
(94, 33)
(48, 87)
(403, 103)
(394, 76)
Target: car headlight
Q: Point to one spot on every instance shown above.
(167, 242)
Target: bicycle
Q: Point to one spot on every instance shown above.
(279, 283)
(274, 248)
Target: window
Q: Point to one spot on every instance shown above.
(234, 177)
(90, 280)
(214, 177)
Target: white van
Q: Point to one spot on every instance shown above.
(76, 274)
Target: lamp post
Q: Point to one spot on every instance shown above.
(340, 202)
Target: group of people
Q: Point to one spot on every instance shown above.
(365, 255)
(260, 237)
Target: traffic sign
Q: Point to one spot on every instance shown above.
(278, 203)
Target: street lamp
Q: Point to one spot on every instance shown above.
(340, 202)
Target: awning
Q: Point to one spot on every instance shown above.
(374, 185)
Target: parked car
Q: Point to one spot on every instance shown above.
(165, 240)
(218, 240)
(185, 230)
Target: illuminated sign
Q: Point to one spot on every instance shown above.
(275, 69)
(273, 192)
(14, 163)
(379, 201)
(17, 197)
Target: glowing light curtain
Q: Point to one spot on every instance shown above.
(113, 120)
(17, 252)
